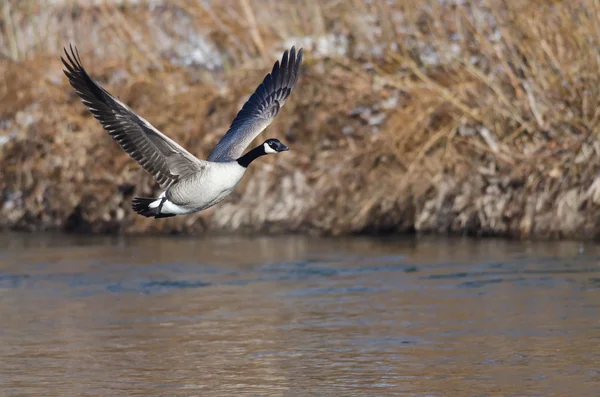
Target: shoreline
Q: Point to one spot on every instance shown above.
(211, 234)
(464, 129)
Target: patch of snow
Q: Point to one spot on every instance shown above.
(320, 46)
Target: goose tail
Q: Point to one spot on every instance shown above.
(149, 207)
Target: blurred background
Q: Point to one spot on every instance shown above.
(464, 117)
(474, 117)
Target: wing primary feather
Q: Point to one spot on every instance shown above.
(261, 108)
(283, 67)
(144, 143)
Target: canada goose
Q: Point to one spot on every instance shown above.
(189, 184)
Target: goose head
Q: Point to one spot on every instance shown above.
(270, 146)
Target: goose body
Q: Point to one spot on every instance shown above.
(203, 188)
(190, 184)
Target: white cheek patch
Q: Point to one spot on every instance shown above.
(269, 149)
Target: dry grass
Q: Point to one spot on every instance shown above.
(477, 117)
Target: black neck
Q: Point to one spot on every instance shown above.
(252, 155)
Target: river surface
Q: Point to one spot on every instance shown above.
(297, 316)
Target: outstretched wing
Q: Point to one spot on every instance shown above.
(155, 152)
(260, 110)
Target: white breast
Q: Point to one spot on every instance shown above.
(222, 177)
(215, 183)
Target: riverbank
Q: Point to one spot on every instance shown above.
(429, 117)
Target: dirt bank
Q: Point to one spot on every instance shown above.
(436, 116)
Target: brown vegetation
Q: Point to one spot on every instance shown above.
(437, 115)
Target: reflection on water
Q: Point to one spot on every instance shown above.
(296, 316)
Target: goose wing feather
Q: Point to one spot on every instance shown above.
(159, 155)
(260, 109)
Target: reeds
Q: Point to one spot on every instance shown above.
(449, 116)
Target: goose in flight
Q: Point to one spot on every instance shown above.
(189, 184)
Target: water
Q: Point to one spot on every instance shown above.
(297, 316)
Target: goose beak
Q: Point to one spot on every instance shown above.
(283, 148)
